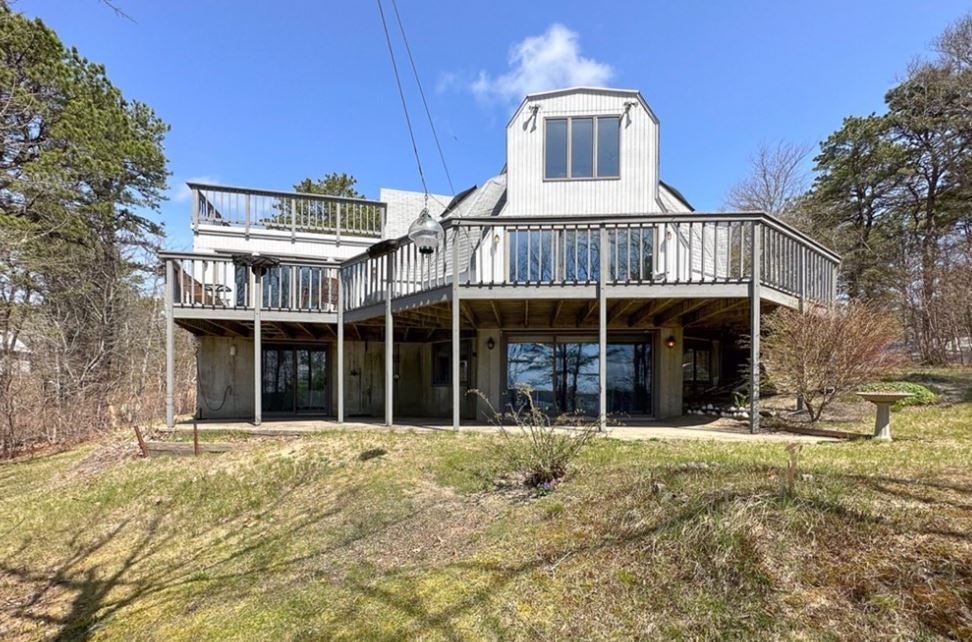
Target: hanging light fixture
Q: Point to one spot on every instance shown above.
(426, 232)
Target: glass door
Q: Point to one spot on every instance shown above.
(311, 380)
(294, 380)
(278, 380)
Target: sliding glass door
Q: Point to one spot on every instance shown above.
(294, 380)
(562, 373)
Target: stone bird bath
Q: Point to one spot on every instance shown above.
(883, 400)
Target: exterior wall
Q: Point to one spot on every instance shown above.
(224, 382)
(403, 207)
(489, 374)
(212, 238)
(635, 191)
(668, 374)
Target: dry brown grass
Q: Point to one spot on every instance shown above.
(309, 538)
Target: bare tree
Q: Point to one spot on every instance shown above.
(955, 44)
(820, 355)
(777, 177)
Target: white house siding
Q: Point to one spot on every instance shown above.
(670, 203)
(709, 242)
(216, 238)
(404, 206)
(635, 191)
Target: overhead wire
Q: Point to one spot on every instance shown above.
(425, 103)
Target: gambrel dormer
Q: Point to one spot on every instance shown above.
(584, 150)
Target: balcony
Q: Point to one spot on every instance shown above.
(224, 287)
(250, 210)
(648, 256)
(698, 257)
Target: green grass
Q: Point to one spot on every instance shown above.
(308, 539)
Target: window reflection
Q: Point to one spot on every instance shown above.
(563, 375)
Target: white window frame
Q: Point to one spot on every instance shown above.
(570, 142)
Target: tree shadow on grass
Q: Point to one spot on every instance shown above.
(80, 592)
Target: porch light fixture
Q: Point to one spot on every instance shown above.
(490, 344)
(426, 232)
(670, 341)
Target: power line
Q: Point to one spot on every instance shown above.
(401, 94)
(418, 82)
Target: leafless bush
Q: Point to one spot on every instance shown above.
(49, 394)
(820, 355)
(541, 448)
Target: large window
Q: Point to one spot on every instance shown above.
(584, 147)
(562, 374)
(547, 256)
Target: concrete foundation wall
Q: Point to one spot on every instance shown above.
(224, 381)
(668, 374)
(489, 375)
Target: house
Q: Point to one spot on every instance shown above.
(14, 354)
(575, 270)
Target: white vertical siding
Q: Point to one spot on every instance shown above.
(635, 191)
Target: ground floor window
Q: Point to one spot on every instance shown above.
(294, 379)
(562, 372)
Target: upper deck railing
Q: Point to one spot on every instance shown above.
(546, 251)
(293, 212)
(505, 252)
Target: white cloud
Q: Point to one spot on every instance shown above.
(180, 192)
(550, 60)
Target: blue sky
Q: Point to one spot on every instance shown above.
(265, 93)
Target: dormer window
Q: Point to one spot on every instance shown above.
(582, 147)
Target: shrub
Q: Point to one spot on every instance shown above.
(541, 448)
(921, 396)
(820, 354)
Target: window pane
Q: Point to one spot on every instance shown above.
(576, 373)
(530, 365)
(608, 145)
(556, 149)
(582, 148)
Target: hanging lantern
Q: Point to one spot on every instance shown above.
(426, 232)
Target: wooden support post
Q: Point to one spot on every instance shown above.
(754, 329)
(389, 342)
(603, 251)
(257, 348)
(803, 277)
(456, 392)
(194, 194)
(169, 344)
(340, 347)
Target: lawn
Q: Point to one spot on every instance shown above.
(390, 535)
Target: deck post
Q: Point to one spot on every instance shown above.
(803, 277)
(389, 342)
(456, 396)
(802, 266)
(195, 209)
(169, 344)
(754, 329)
(603, 251)
(257, 349)
(340, 346)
